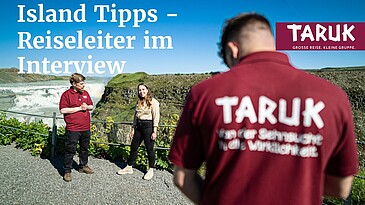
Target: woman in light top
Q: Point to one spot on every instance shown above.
(145, 123)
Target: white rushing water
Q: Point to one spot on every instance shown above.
(42, 98)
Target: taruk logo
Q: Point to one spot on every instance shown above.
(322, 33)
(320, 36)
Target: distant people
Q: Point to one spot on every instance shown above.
(269, 133)
(144, 128)
(75, 105)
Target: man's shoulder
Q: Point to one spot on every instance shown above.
(321, 83)
(66, 92)
(319, 88)
(85, 92)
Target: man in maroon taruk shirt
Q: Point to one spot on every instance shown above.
(269, 133)
(75, 105)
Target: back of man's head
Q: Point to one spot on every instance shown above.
(249, 32)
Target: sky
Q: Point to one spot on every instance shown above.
(194, 32)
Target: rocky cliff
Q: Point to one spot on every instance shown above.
(7, 98)
(120, 94)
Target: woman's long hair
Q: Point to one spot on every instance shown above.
(143, 100)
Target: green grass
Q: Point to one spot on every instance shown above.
(127, 79)
(353, 68)
(358, 188)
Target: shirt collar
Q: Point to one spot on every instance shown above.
(72, 90)
(265, 56)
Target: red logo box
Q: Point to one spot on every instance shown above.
(320, 36)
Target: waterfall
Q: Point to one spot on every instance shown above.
(42, 98)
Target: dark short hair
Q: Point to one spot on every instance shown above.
(76, 78)
(233, 26)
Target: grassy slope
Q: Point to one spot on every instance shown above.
(10, 75)
(120, 97)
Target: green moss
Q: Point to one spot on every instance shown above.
(127, 79)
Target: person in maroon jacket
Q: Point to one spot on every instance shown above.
(75, 105)
(268, 132)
